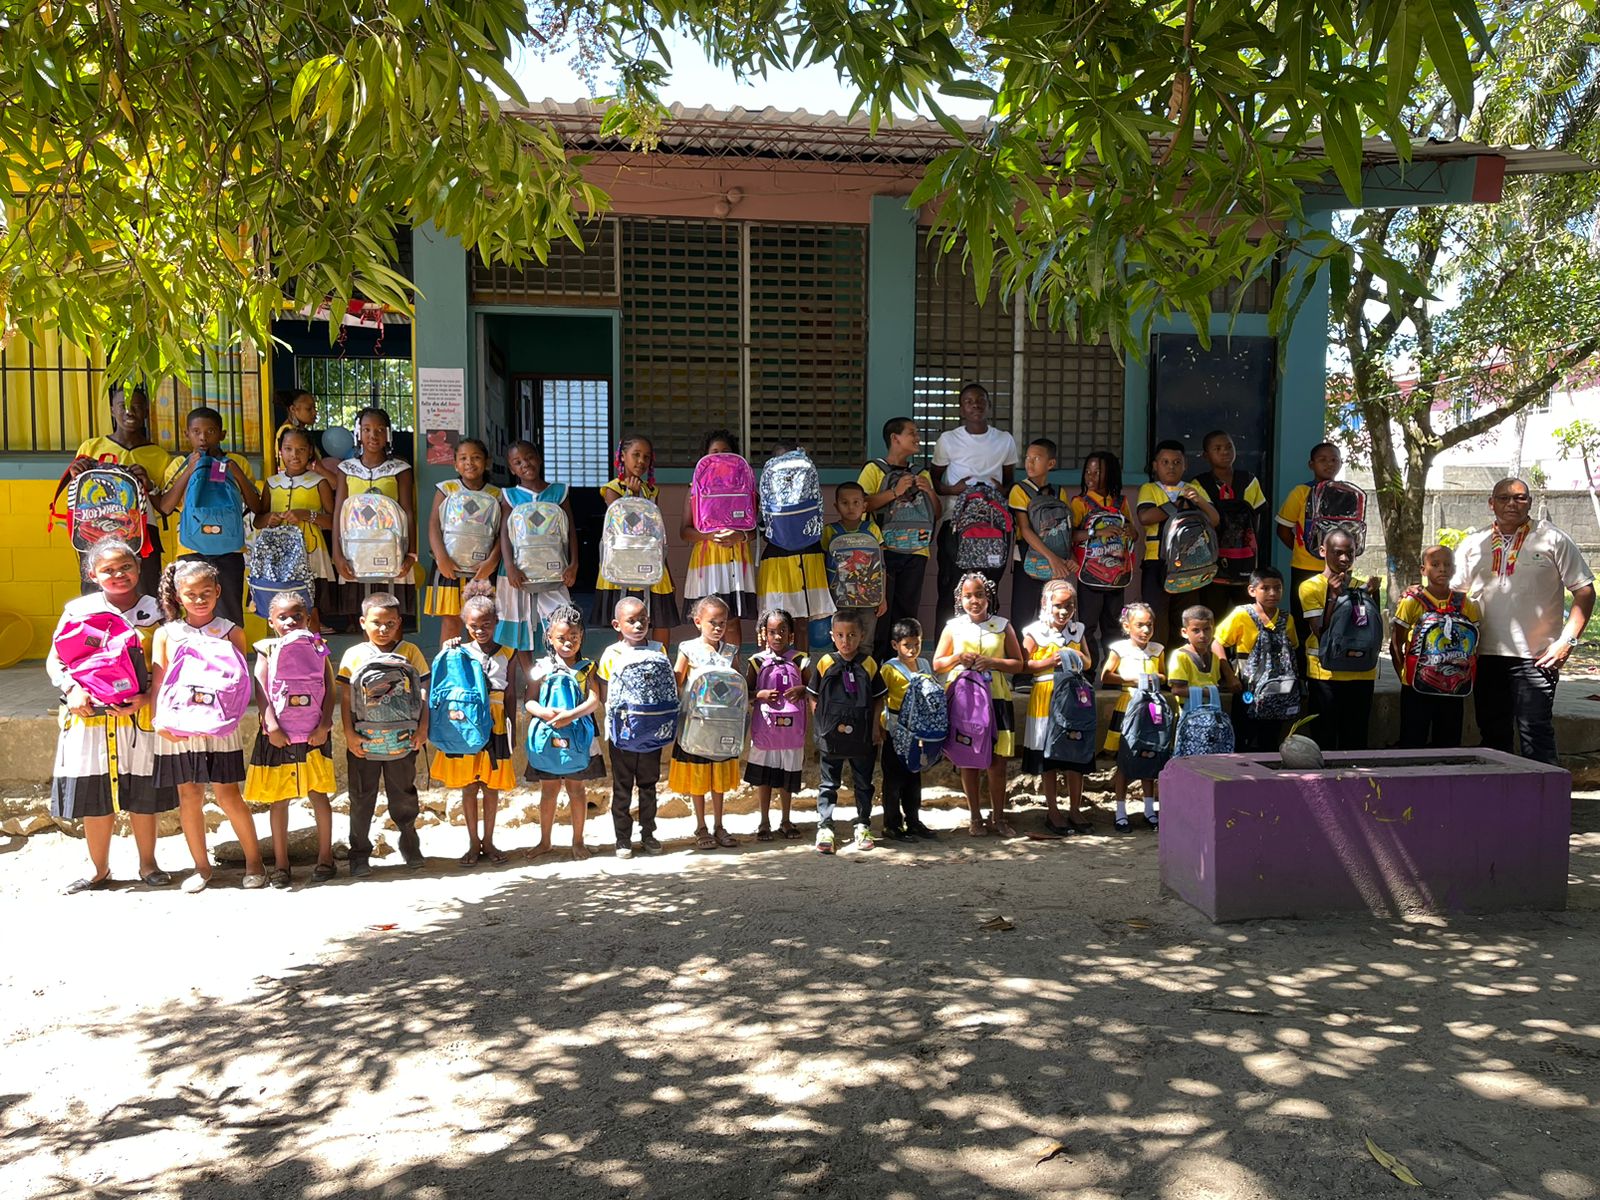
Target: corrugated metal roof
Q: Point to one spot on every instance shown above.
(830, 137)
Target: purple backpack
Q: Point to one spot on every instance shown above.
(724, 491)
(101, 653)
(971, 740)
(782, 725)
(206, 689)
(297, 684)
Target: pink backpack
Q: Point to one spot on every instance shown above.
(779, 726)
(297, 683)
(206, 690)
(724, 491)
(971, 740)
(102, 653)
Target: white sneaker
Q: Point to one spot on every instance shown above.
(824, 840)
(864, 838)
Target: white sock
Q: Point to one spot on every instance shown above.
(1122, 808)
(1149, 806)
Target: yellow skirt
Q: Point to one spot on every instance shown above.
(699, 778)
(491, 766)
(443, 597)
(1114, 729)
(275, 775)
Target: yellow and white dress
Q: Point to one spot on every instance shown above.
(689, 774)
(491, 766)
(443, 598)
(287, 493)
(988, 638)
(359, 480)
(660, 598)
(289, 772)
(1047, 639)
(1132, 665)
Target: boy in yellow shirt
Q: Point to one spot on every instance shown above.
(1271, 684)
(1325, 463)
(1340, 680)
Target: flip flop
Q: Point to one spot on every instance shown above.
(496, 856)
(470, 859)
(87, 885)
(764, 834)
(156, 878)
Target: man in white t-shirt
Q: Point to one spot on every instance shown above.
(973, 451)
(1518, 569)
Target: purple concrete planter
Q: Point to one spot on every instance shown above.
(1390, 831)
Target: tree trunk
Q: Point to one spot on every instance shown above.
(1402, 502)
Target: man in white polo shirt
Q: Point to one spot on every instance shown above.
(1518, 569)
(973, 451)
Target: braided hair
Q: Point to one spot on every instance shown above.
(622, 446)
(988, 586)
(181, 571)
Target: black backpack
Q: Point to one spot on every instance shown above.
(1238, 542)
(843, 721)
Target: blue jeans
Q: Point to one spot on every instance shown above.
(1516, 702)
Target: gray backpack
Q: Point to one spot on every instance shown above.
(1271, 684)
(1146, 741)
(1352, 632)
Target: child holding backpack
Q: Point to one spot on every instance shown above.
(846, 691)
(1261, 640)
(916, 723)
(852, 550)
(532, 539)
(775, 678)
(1129, 663)
(904, 505)
(129, 447)
(214, 490)
(1044, 532)
(1305, 562)
(202, 688)
(1241, 507)
(1163, 499)
(792, 574)
(383, 692)
(105, 754)
(978, 653)
(1345, 638)
(640, 693)
(293, 755)
(635, 480)
(562, 747)
(464, 535)
(1103, 545)
(375, 523)
(1056, 651)
(1195, 663)
(696, 775)
(1434, 648)
(718, 524)
(483, 773)
(297, 499)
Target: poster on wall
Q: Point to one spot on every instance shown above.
(441, 411)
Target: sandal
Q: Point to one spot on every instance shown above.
(1064, 829)
(1003, 829)
(156, 878)
(725, 839)
(703, 840)
(1122, 825)
(87, 885)
(790, 832)
(977, 829)
(323, 872)
(496, 855)
(764, 833)
(470, 858)
(280, 878)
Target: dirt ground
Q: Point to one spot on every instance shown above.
(763, 1022)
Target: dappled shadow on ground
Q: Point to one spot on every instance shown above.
(771, 1025)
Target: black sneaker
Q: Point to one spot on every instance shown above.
(918, 829)
(360, 868)
(411, 848)
(648, 843)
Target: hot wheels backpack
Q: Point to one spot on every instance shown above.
(372, 536)
(1442, 653)
(844, 710)
(563, 751)
(855, 565)
(714, 714)
(470, 523)
(724, 494)
(919, 730)
(791, 501)
(971, 740)
(1074, 722)
(460, 720)
(103, 654)
(1333, 504)
(1146, 742)
(103, 501)
(1189, 549)
(633, 543)
(983, 529)
(386, 705)
(1352, 634)
(1105, 558)
(1271, 683)
(277, 562)
(907, 523)
(297, 683)
(642, 702)
(1203, 728)
(206, 689)
(780, 725)
(1050, 517)
(540, 541)
(213, 510)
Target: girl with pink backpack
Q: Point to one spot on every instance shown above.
(293, 757)
(719, 527)
(106, 752)
(776, 677)
(203, 688)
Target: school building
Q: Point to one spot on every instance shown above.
(758, 271)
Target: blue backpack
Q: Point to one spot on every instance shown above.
(1073, 721)
(642, 702)
(1203, 728)
(1146, 742)
(213, 511)
(459, 718)
(563, 751)
(919, 729)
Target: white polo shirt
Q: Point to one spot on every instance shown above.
(1522, 595)
(982, 456)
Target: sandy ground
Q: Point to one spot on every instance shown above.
(763, 1022)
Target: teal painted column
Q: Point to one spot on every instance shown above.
(1302, 411)
(891, 317)
(441, 337)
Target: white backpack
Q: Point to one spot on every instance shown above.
(470, 522)
(372, 534)
(633, 544)
(540, 540)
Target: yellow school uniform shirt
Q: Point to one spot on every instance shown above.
(1313, 598)
(871, 481)
(1132, 664)
(153, 458)
(1238, 632)
(1018, 502)
(175, 468)
(1182, 668)
(1412, 607)
(304, 492)
(356, 657)
(1157, 494)
(1293, 516)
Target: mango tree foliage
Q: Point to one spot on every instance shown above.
(178, 172)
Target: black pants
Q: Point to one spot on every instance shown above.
(902, 792)
(1101, 614)
(1252, 734)
(230, 569)
(1343, 709)
(903, 576)
(950, 575)
(629, 770)
(1514, 697)
(832, 772)
(1152, 577)
(399, 779)
(1431, 722)
(1026, 592)
(1296, 578)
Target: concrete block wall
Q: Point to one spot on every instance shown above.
(38, 570)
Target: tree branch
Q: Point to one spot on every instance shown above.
(1522, 397)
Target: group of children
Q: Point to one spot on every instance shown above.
(839, 660)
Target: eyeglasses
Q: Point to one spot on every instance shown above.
(1515, 498)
